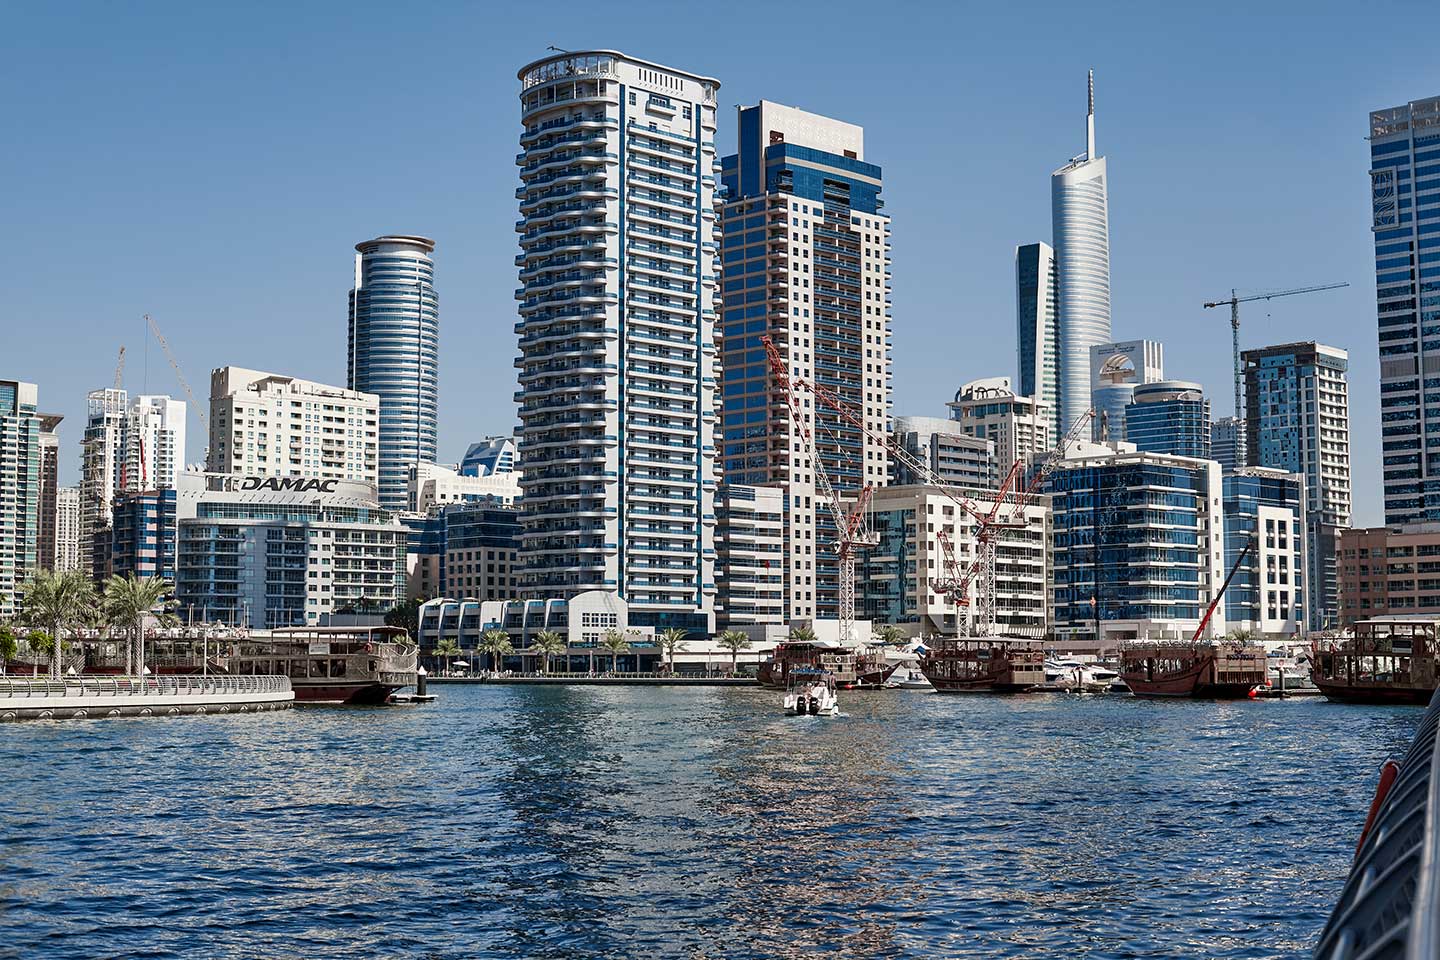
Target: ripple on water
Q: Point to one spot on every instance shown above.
(596, 822)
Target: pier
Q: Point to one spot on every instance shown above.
(92, 698)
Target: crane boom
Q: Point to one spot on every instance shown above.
(175, 365)
(1234, 303)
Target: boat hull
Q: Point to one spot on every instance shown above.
(978, 686)
(349, 694)
(1196, 672)
(1374, 694)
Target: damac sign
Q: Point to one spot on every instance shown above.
(295, 484)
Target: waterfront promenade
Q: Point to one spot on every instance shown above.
(95, 698)
(598, 679)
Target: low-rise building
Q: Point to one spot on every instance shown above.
(265, 551)
(433, 485)
(750, 563)
(896, 581)
(1388, 570)
(1138, 547)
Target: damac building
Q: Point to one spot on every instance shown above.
(1405, 190)
(618, 362)
(807, 261)
(395, 352)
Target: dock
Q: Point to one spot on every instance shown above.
(95, 698)
(641, 680)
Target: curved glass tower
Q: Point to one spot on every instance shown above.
(1081, 222)
(395, 352)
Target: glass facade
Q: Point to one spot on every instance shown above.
(1081, 222)
(1265, 509)
(1171, 416)
(1405, 198)
(143, 538)
(1130, 541)
(395, 352)
(1037, 320)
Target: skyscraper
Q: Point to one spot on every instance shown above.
(49, 490)
(806, 252)
(20, 481)
(1038, 327)
(1169, 416)
(617, 367)
(101, 465)
(1228, 446)
(1404, 153)
(1297, 412)
(395, 352)
(154, 442)
(1081, 222)
(1116, 369)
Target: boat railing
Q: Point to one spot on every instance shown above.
(1390, 905)
(179, 686)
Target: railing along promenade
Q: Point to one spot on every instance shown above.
(1390, 907)
(26, 698)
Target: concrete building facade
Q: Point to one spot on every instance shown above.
(951, 454)
(1384, 571)
(1018, 426)
(20, 488)
(750, 543)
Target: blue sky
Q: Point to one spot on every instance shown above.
(214, 166)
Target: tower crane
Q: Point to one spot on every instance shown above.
(120, 368)
(853, 532)
(1234, 303)
(175, 365)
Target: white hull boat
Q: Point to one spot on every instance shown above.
(812, 697)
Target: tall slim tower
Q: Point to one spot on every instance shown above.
(394, 353)
(807, 260)
(102, 468)
(20, 480)
(1404, 149)
(1081, 221)
(1037, 320)
(49, 489)
(619, 270)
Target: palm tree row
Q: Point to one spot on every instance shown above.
(57, 601)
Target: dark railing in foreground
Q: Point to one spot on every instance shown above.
(178, 686)
(1390, 907)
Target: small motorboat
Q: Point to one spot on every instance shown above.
(908, 678)
(1075, 676)
(811, 693)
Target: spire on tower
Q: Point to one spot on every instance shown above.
(1090, 121)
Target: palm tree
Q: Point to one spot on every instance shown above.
(802, 635)
(9, 646)
(57, 600)
(672, 640)
(1241, 635)
(549, 643)
(446, 649)
(735, 641)
(496, 642)
(888, 633)
(128, 601)
(42, 643)
(617, 643)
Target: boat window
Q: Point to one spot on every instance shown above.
(337, 668)
(297, 668)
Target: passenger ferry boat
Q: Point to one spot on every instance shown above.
(1388, 660)
(853, 668)
(355, 665)
(1216, 671)
(984, 665)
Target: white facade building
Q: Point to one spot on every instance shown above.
(432, 484)
(1081, 223)
(1019, 426)
(750, 542)
(155, 442)
(67, 528)
(102, 461)
(618, 365)
(954, 456)
(270, 425)
(1116, 369)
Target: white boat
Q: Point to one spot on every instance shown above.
(812, 693)
(909, 678)
(1079, 677)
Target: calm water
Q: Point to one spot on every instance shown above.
(589, 822)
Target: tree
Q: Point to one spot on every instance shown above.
(735, 641)
(446, 648)
(57, 600)
(1241, 635)
(496, 642)
(888, 633)
(9, 647)
(549, 643)
(405, 614)
(802, 635)
(41, 643)
(617, 643)
(672, 640)
(128, 601)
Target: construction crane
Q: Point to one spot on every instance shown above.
(852, 533)
(1234, 303)
(174, 364)
(956, 584)
(120, 368)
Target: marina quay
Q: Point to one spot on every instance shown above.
(750, 500)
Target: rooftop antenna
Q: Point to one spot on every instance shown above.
(1090, 121)
(556, 49)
